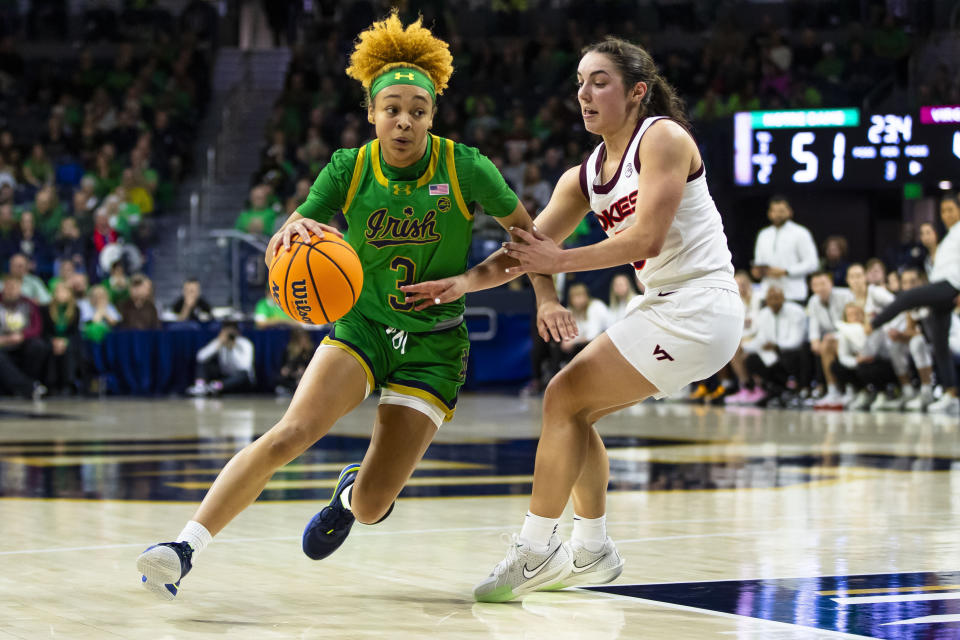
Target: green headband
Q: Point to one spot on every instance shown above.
(403, 75)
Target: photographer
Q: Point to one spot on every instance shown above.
(225, 365)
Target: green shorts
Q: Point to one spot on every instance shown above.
(430, 367)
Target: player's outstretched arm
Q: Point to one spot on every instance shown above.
(562, 215)
(665, 157)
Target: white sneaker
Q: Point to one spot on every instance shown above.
(885, 402)
(198, 389)
(832, 400)
(860, 402)
(946, 404)
(919, 402)
(589, 567)
(524, 570)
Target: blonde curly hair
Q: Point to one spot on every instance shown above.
(387, 45)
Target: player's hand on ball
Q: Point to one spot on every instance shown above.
(556, 321)
(301, 229)
(425, 294)
(536, 252)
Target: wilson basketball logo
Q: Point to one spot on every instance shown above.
(299, 291)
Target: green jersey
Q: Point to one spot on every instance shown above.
(408, 225)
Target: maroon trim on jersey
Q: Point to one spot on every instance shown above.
(608, 187)
(690, 178)
(583, 180)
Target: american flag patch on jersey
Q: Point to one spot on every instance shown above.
(440, 189)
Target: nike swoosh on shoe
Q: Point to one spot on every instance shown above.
(528, 574)
(579, 569)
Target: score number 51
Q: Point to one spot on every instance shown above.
(884, 129)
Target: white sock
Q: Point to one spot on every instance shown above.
(590, 532)
(537, 531)
(196, 535)
(832, 390)
(345, 498)
(926, 389)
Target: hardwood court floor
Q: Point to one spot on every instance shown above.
(736, 523)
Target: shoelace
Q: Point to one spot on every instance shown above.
(513, 540)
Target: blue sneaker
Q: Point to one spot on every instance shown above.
(327, 530)
(163, 566)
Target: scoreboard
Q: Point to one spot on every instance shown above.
(846, 148)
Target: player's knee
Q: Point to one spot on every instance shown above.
(288, 439)
(369, 508)
(562, 398)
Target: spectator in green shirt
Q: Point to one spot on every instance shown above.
(260, 217)
(269, 314)
(37, 169)
(47, 213)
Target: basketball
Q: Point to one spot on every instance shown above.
(316, 282)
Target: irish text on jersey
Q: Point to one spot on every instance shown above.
(384, 230)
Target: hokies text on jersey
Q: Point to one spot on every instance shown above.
(618, 211)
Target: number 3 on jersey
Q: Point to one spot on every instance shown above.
(409, 273)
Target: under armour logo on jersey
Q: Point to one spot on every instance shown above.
(402, 76)
(661, 354)
(405, 187)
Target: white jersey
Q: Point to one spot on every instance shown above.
(695, 251)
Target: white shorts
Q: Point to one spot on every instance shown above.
(676, 337)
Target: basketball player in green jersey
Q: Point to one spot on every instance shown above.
(406, 197)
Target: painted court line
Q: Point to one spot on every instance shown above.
(906, 597)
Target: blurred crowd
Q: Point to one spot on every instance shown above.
(92, 148)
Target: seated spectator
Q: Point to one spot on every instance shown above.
(299, 195)
(29, 241)
(824, 311)
(259, 219)
(268, 313)
(69, 246)
(135, 192)
(30, 285)
(535, 187)
(858, 367)
(893, 282)
(749, 393)
(23, 354)
(622, 292)
(871, 298)
(37, 169)
(191, 306)
(64, 272)
(780, 354)
(225, 364)
(61, 328)
(835, 260)
(118, 284)
(79, 285)
(47, 213)
(591, 316)
(930, 240)
(8, 232)
(139, 310)
(97, 315)
(876, 272)
(300, 349)
(103, 233)
(904, 341)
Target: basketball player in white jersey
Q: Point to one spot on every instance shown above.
(646, 184)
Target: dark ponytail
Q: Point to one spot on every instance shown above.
(635, 65)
